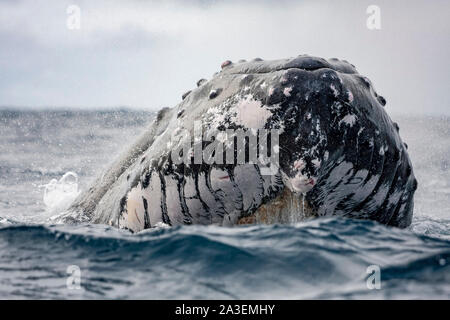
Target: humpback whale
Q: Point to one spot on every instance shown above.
(325, 146)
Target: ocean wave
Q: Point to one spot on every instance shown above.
(324, 258)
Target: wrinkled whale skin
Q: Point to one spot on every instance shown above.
(340, 153)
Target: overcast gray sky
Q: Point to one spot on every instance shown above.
(147, 53)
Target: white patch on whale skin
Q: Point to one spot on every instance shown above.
(350, 96)
(349, 120)
(135, 210)
(335, 91)
(316, 163)
(215, 117)
(299, 165)
(360, 131)
(302, 184)
(251, 113)
(287, 91)
(299, 183)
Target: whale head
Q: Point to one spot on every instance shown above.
(267, 141)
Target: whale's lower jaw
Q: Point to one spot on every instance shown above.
(288, 207)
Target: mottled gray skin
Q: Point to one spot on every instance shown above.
(338, 148)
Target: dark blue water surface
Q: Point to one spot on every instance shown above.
(317, 259)
(324, 258)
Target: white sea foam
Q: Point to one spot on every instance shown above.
(59, 194)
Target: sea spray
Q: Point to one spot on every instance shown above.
(59, 194)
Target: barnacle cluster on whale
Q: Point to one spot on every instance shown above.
(338, 153)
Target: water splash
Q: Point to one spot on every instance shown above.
(59, 194)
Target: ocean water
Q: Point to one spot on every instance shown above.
(47, 157)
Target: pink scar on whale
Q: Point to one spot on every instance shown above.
(225, 63)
